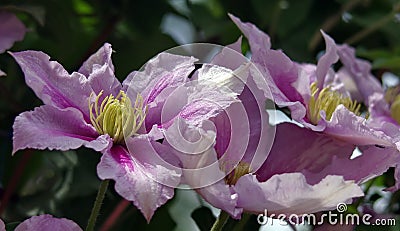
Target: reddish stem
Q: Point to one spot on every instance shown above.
(112, 219)
(15, 178)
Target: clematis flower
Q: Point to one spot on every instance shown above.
(45, 223)
(384, 113)
(92, 108)
(318, 99)
(306, 172)
(11, 30)
(315, 94)
(249, 168)
(306, 169)
(383, 104)
(196, 145)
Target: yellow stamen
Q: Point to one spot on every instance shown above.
(327, 100)
(115, 116)
(392, 96)
(240, 170)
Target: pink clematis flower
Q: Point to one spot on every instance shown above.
(385, 117)
(201, 148)
(92, 108)
(319, 101)
(11, 30)
(384, 105)
(251, 168)
(306, 169)
(316, 95)
(45, 223)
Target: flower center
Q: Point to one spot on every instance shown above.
(116, 117)
(240, 170)
(327, 100)
(392, 96)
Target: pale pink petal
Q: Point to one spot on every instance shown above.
(52, 83)
(202, 172)
(280, 75)
(259, 40)
(361, 72)
(47, 223)
(137, 177)
(230, 56)
(396, 186)
(317, 155)
(260, 44)
(243, 130)
(198, 100)
(200, 167)
(99, 70)
(327, 60)
(349, 84)
(102, 78)
(221, 196)
(373, 162)
(291, 194)
(100, 58)
(346, 126)
(214, 90)
(11, 30)
(2, 226)
(378, 106)
(161, 72)
(296, 149)
(53, 128)
(233, 131)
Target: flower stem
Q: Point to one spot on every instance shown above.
(115, 215)
(242, 223)
(331, 22)
(15, 179)
(220, 222)
(97, 205)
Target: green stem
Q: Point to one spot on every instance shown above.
(97, 205)
(331, 22)
(242, 223)
(220, 222)
(275, 21)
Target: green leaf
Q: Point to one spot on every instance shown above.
(203, 218)
(37, 12)
(132, 219)
(373, 53)
(389, 63)
(12, 225)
